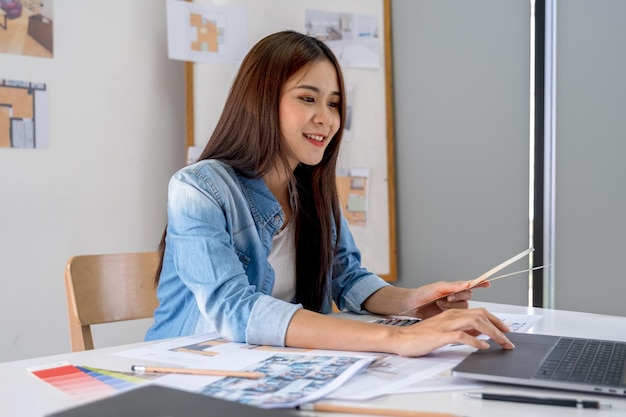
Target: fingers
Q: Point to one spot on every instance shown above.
(490, 325)
(455, 300)
(462, 326)
(460, 296)
(465, 338)
(459, 299)
(447, 304)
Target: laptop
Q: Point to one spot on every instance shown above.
(567, 363)
(160, 401)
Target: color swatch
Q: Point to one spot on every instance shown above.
(87, 383)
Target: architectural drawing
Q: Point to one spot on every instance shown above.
(23, 114)
(207, 34)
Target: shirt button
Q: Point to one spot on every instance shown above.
(277, 218)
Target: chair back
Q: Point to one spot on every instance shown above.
(108, 288)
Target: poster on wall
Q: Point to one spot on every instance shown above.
(353, 38)
(205, 33)
(352, 186)
(23, 114)
(26, 28)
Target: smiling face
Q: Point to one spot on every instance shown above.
(309, 112)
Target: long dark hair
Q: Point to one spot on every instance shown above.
(247, 137)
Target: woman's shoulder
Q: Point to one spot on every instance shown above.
(207, 170)
(209, 177)
(218, 176)
(212, 176)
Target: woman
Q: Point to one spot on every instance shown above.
(256, 247)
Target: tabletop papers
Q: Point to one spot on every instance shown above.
(296, 375)
(293, 376)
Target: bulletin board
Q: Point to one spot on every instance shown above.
(366, 163)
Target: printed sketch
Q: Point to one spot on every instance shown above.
(353, 38)
(352, 186)
(23, 114)
(205, 33)
(26, 27)
(289, 378)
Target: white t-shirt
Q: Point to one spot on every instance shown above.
(283, 259)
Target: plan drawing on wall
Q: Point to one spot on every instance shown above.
(205, 33)
(352, 186)
(23, 114)
(207, 36)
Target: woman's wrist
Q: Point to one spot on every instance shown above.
(339, 333)
(390, 300)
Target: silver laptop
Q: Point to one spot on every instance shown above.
(568, 363)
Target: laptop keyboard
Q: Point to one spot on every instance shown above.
(585, 361)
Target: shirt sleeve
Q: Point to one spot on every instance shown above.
(352, 283)
(209, 265)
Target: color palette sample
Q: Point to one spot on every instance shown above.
(86, 383)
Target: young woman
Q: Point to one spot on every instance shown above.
(256, 247)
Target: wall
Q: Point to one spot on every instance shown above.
(590, 198)
(461, 119)
(461, 75)
(116, 136)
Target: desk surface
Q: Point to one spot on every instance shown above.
(24, 395)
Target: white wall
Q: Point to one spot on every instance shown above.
(590, 196)
(461, 76)
(116, 136)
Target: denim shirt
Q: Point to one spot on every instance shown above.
(216, 275)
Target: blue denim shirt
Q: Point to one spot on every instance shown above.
(216, 275)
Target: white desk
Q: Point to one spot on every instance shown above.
(24, 395)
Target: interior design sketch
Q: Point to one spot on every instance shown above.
(26, 28)
(352, 188)
(208, 34)
(23, 114)
(354, 38)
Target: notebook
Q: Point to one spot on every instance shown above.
(578, 364)
(159, 401)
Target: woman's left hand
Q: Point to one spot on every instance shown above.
(432, 299)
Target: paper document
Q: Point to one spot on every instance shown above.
(292, 376)
(486, 275)
(391, 374)
(300, 375)
(477, 281)
(518, 323)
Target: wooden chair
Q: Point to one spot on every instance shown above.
(108, 288)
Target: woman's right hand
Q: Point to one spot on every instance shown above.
(449, 327)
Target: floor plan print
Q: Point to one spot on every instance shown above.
(23, 114)
(207, 37)
(353, 190)
(205, 33)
